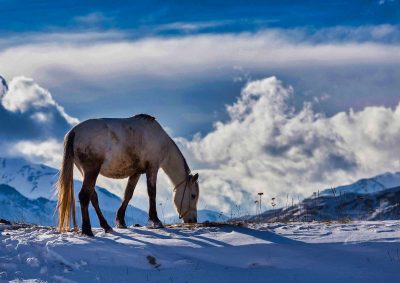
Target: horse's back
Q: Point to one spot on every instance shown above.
(121, 147)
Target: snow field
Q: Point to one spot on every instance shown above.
(277, 252)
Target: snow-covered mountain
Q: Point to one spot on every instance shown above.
(383, 205)
(16, 207)
(367, 185)
(376, 198)
(32, 188)
(3, 86)
(31, 180)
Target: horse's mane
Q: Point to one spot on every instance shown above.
(187, 169)
(150, 118)
(145, 117)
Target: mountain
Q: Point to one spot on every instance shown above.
(31, 180)
(16, 207)
(383, 205)
(31, 188)
(367, 185)
(3, 86)
(376, 198)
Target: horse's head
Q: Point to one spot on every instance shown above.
(186, 197)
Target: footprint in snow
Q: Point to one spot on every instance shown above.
(153, 261)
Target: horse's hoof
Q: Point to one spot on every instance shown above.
(108, 230)
(88, 233)
(155, 225)
(121, 226)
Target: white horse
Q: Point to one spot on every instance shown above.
(121, 148)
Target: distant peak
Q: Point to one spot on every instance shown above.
(22, 162)
(373, 184)
(3, 86)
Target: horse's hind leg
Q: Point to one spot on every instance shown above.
(102, 220)
(130, 188)
(89, 182)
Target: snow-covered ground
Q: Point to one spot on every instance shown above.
(294, 252)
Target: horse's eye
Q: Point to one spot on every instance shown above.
(193, 196)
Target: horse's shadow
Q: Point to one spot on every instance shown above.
(196, 237)
(174, 235)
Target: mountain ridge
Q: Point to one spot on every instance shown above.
(373, 184)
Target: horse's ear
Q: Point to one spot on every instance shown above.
(195, 177)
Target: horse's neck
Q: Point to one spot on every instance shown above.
(175, 165)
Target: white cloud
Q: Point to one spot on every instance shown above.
(41, 117)
(91, 19)
(190, 26)
(32, 123)
(266, 145)
(172, 56)
(24, 94)
(47, 151)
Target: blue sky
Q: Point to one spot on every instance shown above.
(23, 16)
(334, 63)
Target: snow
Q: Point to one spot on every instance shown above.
(275, 252)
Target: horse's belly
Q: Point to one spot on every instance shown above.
(119, 168)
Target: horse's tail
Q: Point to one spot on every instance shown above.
(65, 186)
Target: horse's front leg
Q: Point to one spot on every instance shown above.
(152, 191)
(103, 222)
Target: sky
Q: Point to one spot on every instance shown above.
(273, 96)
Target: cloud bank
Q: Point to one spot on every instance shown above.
(93, 55)
(268, 146)
(112, 67)
(32, 122)
(24, 95)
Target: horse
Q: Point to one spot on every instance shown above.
(122, 148)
